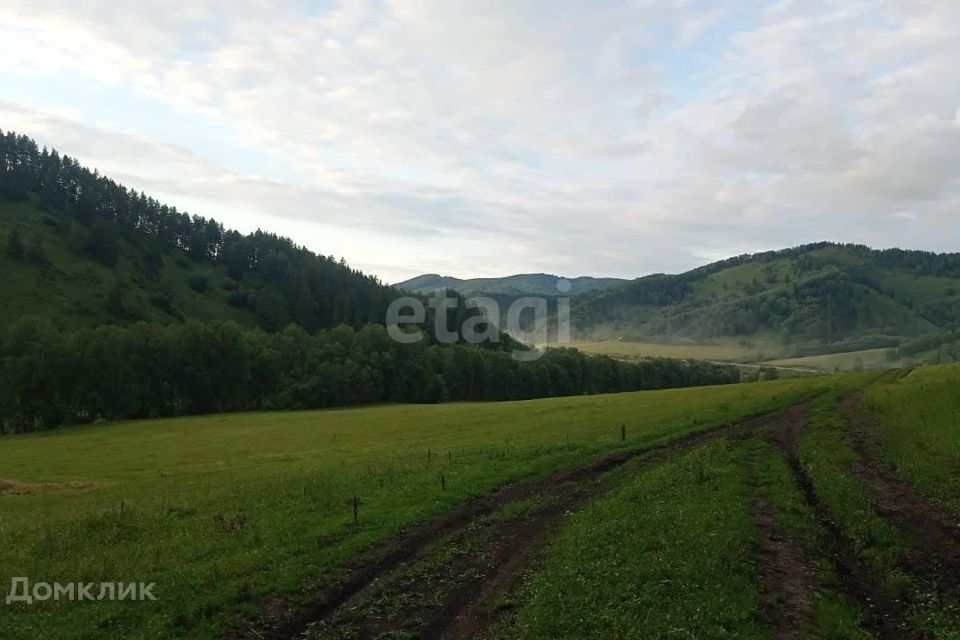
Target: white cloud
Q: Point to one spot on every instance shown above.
(485, 138)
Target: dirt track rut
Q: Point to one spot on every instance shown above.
(470, 582)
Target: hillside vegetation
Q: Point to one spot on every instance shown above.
(82, 250)
(824, 298)
(223, 511)
(812, 299)
(118, 306)
(531, 284)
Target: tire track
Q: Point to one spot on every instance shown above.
(933, 530)
(470, 584)
(787, 577)
(883, 615)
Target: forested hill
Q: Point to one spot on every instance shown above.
(82, 250)
(117, 306)
(821, 293)
(530, 284)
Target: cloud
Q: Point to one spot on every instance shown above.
(484, 138)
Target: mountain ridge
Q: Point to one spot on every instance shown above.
(545, 284)
(820, 293)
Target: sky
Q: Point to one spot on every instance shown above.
(493, 137)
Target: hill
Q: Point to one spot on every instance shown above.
(816, 298)
(528, 284)
(82, 250)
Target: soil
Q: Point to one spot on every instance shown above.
(788, 580)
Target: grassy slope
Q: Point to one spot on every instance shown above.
(891, 309)
(221, 511)
(72, 289)
(670, 553)
(849, 361)
(755, 350)
(721, 350)
(834, 617)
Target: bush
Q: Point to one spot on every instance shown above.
(200, 284)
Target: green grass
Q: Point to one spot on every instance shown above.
(670, 553)
(827, 458)
(729, 283)
(849, 361)
(724, 350)
(834, 617)
(920, 289)
(666, 555)
(919, 429)
(221, 511)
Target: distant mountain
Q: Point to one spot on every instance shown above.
(815, 295)
(533, 284)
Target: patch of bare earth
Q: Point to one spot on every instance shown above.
(407, 591)
(933, 530)
(788, 579)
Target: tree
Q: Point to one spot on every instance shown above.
(117, 302)
(15, 248)
(103, 243)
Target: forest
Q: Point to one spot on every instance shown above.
(816, 297)
(53, 377)
(277, 280)
(318, 338)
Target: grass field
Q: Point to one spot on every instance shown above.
(729, 350)
(639, 515)
(753, 352)
(662, 553)
(919, 435)
(686, 549)
(849, 361)
(223, 511)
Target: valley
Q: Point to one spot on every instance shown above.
(237, 422)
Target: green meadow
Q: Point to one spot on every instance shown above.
(675, 551)
(223, 511)
(228, 513)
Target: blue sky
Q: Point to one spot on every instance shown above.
(496, 137)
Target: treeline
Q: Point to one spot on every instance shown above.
(915, 261)
(50, 377)
(278, 280)
(946, 345)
